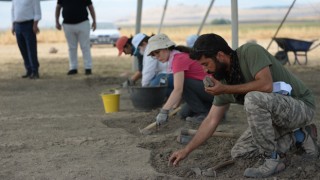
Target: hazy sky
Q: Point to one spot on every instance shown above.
(113, 10)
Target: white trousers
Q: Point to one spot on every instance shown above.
(78, 33)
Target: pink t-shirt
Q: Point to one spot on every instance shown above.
(192, 69)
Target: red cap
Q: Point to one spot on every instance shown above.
(121, 42)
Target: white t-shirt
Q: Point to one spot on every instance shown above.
(151, 68)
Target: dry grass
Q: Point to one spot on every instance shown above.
(178, 34)
(262, 33)
(45, 36)
(246, 31)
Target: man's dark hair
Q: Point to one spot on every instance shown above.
(209, 45)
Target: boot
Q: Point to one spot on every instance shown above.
(271, 165)
(309, 144)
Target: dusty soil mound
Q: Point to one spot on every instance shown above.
(162, 142)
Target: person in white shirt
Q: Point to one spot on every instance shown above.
(25, 17)
(154, 72)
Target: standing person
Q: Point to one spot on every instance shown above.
(26, 15)
(76, 28)
(276, 121)
(124, 45)
(153, 71)
(187, 78)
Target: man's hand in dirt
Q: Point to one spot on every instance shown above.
(177, 156)
(217, 89)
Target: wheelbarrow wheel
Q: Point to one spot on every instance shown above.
(282, 56)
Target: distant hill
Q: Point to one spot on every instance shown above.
(186, 14)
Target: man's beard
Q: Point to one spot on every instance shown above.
(221, 71)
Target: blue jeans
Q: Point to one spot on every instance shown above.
(156, 81)
(27, 42)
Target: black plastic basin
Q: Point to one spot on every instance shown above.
(147, 98)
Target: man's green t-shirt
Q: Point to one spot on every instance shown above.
(253, 58)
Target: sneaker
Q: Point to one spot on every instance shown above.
(72, 72)
(309, 144)
(197, 119)
(269, 167)
(88, 72)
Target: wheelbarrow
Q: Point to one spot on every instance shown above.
(298, 47)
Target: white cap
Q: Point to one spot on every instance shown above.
(136, 40)
(191, 39)
(159, 41)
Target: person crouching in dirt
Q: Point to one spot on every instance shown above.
(154, 73)
(124, 45)
(187, 78)
(276, 121)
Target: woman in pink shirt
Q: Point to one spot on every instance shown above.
(187, 78)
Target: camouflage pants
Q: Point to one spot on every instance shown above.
(272, 118)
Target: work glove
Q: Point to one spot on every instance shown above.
(163, 81)
(162, 117)
(128, 82)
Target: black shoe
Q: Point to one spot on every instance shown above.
(88, 72)
(72, 72)
(34, 76)
(26, 75)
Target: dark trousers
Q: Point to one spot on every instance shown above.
(27, 42)
(194, 95)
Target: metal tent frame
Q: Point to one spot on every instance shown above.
(234, 19)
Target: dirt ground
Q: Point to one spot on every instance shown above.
(56, 128)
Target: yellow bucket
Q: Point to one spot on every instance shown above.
(111, 102)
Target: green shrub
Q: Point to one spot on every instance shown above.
(221, 21)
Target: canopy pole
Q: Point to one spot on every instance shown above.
(139, 15)
(285, 17)
(234, 24)
(205, 18)
(138, 29)
(163, 13)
